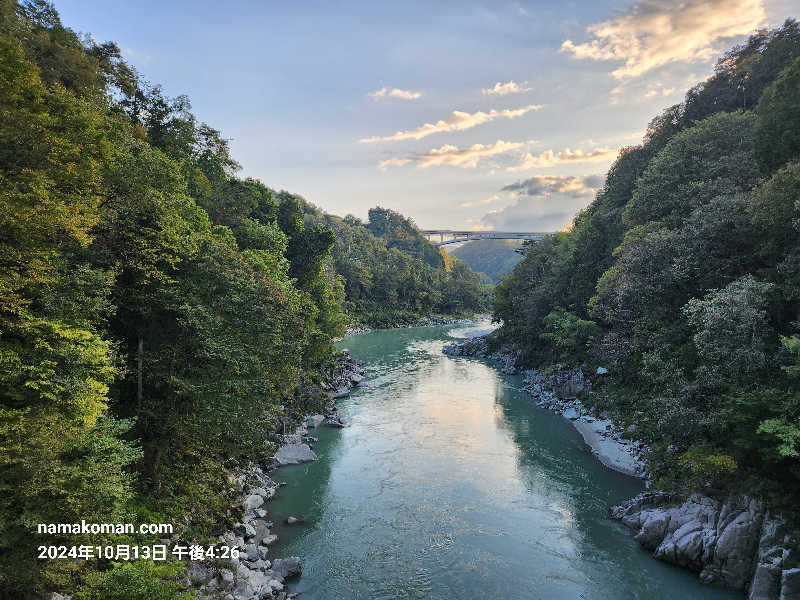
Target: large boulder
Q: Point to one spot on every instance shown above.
(287, 567)
(790, 585)
(294, 454)
(732, 542)
(252, 502)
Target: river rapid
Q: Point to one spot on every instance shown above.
(450, 483)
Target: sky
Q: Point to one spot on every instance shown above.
(462, 115)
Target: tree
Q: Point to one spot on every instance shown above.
(712, 158)
(778, 126)
(731, 330)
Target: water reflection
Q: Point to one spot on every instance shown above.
(449, 483)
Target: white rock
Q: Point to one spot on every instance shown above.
(253, 501)
(314, 421)
(294, 454)
(227, 575)
(610, 452)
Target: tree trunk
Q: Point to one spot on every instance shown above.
(139, 356)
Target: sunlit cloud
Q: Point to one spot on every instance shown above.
(386, 92)
(503, 89)
(485, 201)
(549, 158)
(449, 155)
(544, 184)
(455, 121)
(654, 33)
(659, 90)
(543, 203)
(394, 162)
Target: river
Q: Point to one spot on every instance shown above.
(449, 483)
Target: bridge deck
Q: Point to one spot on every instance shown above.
(449, 236)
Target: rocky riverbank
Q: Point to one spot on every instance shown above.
(557, 388)
(253, 575)
(733, 542)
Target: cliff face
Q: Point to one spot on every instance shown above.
(735, 543)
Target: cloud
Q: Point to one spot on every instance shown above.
(394, 162)
(548, 158)
(465, 158)
(659, 89)
(503, 89)
(456, 121)
(548, 184)
(489, 200)
(543, 203)
(654, 33)
(386, 92)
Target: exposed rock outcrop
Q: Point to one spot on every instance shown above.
(251, 574)
(479, 348)
(294, 454)
(733, 542)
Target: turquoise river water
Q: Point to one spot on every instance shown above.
(450, 483)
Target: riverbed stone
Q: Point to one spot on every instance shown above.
(571, 414)
(294, 454)
(766, 584)
(287, 567)
(252, 552)
(253, 501)
(226, 575)
(314, 420)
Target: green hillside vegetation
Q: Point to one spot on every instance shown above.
(494, 258)
(393, 275)
(683, 279)
(157, 312)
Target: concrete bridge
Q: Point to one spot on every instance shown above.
(447, 236)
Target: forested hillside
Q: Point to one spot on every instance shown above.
(157, 313)
(393, 275)
(494, 258)
(682, 278)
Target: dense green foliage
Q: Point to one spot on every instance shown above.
(393, 275)
(683, 279)
(157, 313)
(494, 258)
